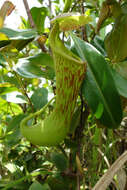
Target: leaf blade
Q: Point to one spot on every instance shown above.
(38, 66)
(99, 86)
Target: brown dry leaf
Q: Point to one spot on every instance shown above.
(5, 10)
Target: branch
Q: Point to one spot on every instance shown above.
(32, 24)
(106, 179)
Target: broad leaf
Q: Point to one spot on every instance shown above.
(59, 160)
(39, 98)
(13, 135)
(121, 83)
(121, 68)
(37, 66)
(19, 34)
(15, 122)
(11, 107)
(38, 15)
(12, 80)
(4, 40)
(98, 43)
(13, 138)
(6, 87)
(5, 90)
(37, 186)
(99, 87)
(17, 38)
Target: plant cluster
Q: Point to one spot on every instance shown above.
(63, 96)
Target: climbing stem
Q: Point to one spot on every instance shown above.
(32, 115)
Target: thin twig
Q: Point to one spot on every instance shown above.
(105, 158)
(32, 24)
(106, 179)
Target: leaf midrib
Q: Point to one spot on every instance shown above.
(98, 87)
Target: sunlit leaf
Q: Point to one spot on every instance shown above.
(7, 89)
(19, 38)
(4, 40)
(15, 97)
(19, 34)
(38, 15)
(10, 108)
(38, 66)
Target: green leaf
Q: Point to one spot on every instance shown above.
(57, 182)
(15, 122)
(17, 38)
(11, 108)
(59, 160)
(11, 80)
(4, 43)
(37, 186)
(13, 138)
(5, 90)
(20, 44)
(39, 98)
(38, 15)
(98, 43)
(40, 65)
(45, 187)
(121, 68)
(15, 97)
(4, 40)
(2, 60)
(99, 87)
(19, 34)
(40, 1)
(121, 83)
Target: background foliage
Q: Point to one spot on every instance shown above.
(97, 135)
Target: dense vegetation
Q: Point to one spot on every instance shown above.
(72, 52)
